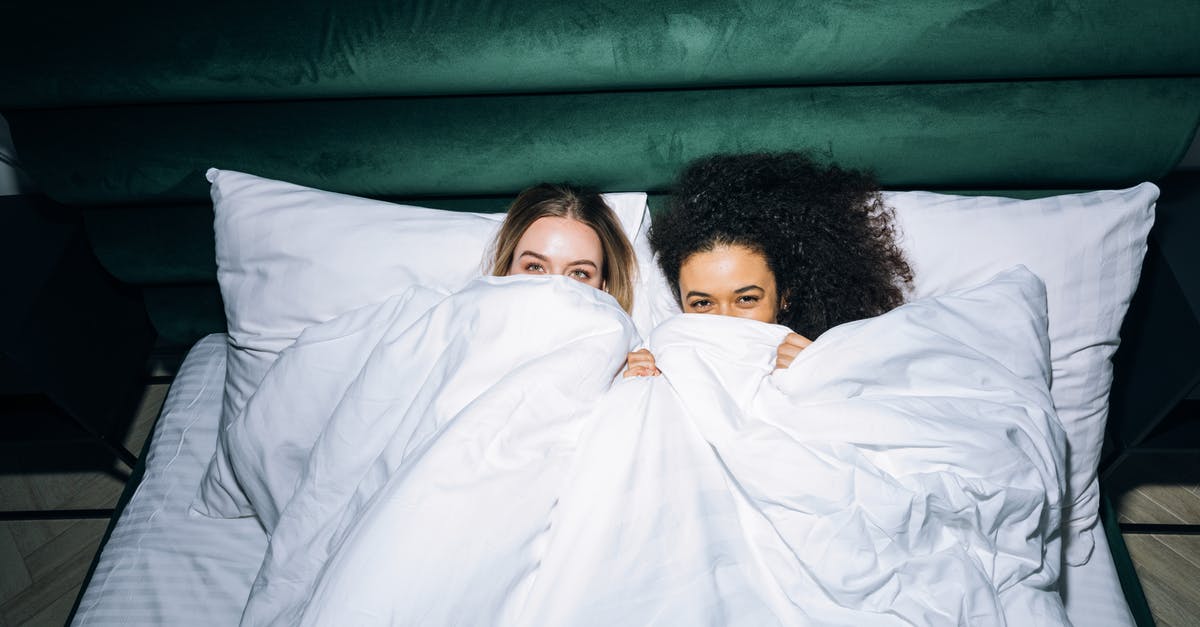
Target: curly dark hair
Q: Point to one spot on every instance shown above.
(824, 230)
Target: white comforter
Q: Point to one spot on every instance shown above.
(479, 466)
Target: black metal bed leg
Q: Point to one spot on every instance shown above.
(54, 514)
(119, 450)
(1126, 574)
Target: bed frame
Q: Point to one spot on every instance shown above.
(118, 111)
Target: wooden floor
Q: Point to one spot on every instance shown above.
(1168, 566)
(43, 564)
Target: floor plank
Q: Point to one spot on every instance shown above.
(14, 577)
(1186, 547)
(47, 490)
(147, 414)
(55, 614)
(61, 571)
(81, 536)
(1137, 506)
(1168, 579)
(1159, 505)
(1180, 503)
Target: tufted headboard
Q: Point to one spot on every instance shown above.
(118, 110)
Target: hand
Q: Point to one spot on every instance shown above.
(791, 346)
(640, 363)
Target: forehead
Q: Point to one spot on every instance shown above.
(554, 236)
(725, 268)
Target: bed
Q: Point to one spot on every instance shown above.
(458, 106)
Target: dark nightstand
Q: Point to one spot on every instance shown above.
(73, 344)
(1153, 432)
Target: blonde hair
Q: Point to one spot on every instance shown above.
(583, 205)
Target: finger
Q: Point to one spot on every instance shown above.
(646, 371)
(788, 350)
(795, 339)
(642, 356)
(786, 354)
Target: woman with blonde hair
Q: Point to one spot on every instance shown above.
(570, 231)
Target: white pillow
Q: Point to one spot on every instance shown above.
(289, 257)
(1088, 249)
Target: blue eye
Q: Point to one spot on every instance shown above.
(534, 267)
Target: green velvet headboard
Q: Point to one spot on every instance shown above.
(119, 110)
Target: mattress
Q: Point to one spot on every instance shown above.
(164, 565)
(1092, 591)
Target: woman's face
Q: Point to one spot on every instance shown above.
(729, 281)
(553, 245)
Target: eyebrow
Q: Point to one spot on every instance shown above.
(577, 262)
(740, 290)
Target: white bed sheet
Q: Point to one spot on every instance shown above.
(166, 566)
(162, 565)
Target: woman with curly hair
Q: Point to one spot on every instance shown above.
(779, 238)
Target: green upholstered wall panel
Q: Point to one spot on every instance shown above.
(74, 53)
(1001, 134)
(183, 314)
(157, 245)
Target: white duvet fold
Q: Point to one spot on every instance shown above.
(479, 469)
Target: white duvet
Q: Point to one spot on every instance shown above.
(473, 462)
